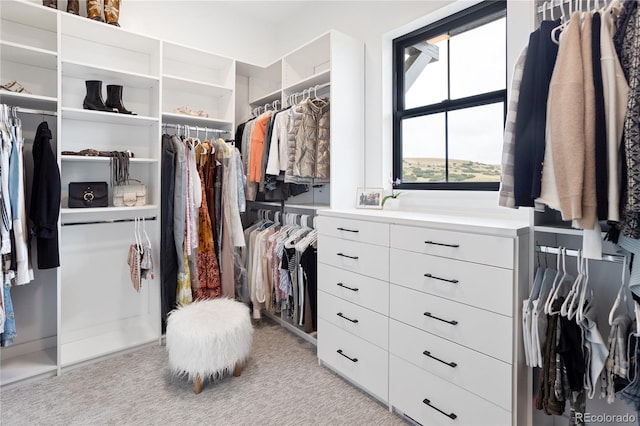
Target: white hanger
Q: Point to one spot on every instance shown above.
(560, 276)
(144, 230)
(622, 294)
(544, 11)
(586, 289)
(136, 236)
(566, 308)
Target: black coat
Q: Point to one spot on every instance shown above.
(45, 199)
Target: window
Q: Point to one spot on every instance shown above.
(449, 101)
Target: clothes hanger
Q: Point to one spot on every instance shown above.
(586, 290)
(564, 309)
(544, 10)
(560, 275)
(622, 294)
(570, 305)
(555, 33)
(144, 230)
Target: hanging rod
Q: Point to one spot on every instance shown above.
(556, 3)
(615, 258)
(94, 222)
(33, 111)
(316, 87)
(194, 128)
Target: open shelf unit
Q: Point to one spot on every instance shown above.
(334, 63)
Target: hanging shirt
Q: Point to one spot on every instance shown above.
(257, 147)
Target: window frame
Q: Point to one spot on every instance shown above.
(486, 9)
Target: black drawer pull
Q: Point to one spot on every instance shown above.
(428, 314)
(346, 255)
(452, 416)
(347, 357)
(442, 244)
(450, 364)
(347, 318)
(348, 288)
(441, 279)
(347, 230)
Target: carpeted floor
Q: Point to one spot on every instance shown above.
(281, 385)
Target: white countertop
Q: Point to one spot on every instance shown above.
(477, 224)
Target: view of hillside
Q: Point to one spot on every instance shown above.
(432, 170)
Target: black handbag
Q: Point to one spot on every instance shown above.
(88, 194)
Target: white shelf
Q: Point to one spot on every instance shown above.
(65, 211)
(309, 82)
(35, 15)
(107, 343)
(107, 117)
(27, 55)
(28, 365)
(85, 71)
(561, 230)
(180, 84)
(26, 100)
(269, 97)
(105, 34)
(189, 55)
(190, 120)
(87, 158)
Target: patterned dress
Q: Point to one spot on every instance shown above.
(210, 285)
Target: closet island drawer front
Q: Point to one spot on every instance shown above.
(359, 289)
(487, 287)
(354, 230)
(431, 400)
(362, 362)
(472, 327)
(366, 259)
(485, 249)
(469, 369)
(362, 322)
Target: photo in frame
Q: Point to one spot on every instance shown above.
(369, 198)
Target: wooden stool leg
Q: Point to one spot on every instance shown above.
(238, 370)
(198, 384)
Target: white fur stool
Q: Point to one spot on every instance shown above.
(208, 339)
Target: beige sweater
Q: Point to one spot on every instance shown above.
(567, 121)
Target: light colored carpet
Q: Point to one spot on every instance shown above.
(281, 385)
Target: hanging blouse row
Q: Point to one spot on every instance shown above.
(575, 98)
(561, 337)
(285, 151)
(202, 235)
(281, 263)
(16, 227)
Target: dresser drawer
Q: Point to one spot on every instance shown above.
(361, 322)
(366, 259)
(354, 230)
(474, 328)
(480, 374)
(485, 249)
(411, 389)
(363, 363)
(359, 289)
(486, 287)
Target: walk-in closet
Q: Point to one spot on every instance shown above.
(319, 212)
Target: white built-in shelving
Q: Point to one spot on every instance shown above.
(199, 82)
(29, 55)
(331, 65)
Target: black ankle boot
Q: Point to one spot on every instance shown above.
(114, 99)
(93, 100)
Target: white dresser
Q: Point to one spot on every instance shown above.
(421, 311)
